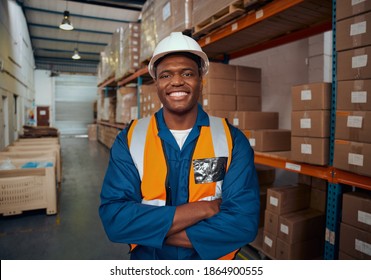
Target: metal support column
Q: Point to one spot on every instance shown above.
(333, 217)
(334, 190)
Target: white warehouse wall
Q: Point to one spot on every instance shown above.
(44, 92)
(16, 76)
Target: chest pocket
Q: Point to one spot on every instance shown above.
(209, 170)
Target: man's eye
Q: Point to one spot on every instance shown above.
(188, 74)
(164, 76)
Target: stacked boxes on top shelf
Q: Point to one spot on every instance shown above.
(126, 41)
(353, 112)
(310, 123)
(120, 57)
(294, 223)
(159, 19)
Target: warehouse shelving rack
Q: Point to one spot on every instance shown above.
(248, 34)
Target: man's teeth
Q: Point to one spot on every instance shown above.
(178, 93)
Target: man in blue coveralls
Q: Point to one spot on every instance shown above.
(180, 184)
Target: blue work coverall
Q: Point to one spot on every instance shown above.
(126, 220)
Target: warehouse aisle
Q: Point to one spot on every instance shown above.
(75, 232)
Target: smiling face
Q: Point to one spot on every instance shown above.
(179, 85)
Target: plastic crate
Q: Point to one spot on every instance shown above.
(28, 189)
(31, 156)
(40, 149)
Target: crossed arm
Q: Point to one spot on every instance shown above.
(187, 215)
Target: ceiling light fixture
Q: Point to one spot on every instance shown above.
(66, 23)
(76, 54)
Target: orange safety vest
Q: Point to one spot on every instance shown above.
(213, 148)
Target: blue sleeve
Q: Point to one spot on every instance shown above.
(237, 222)
(124, 218)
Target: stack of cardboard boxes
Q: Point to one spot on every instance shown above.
(126, 42)
(355, 227)
(159, 19)
(234, 92)
(310, 123)
(149, 101)
(353, 115)
(266, 178)
(106, 105)
(294, 223)
(126, 104)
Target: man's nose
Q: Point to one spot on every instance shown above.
(177, 80)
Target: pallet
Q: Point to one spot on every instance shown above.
(218, 19)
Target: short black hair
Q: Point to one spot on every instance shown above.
(192, 56)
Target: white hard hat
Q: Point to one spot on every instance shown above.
(177, 42)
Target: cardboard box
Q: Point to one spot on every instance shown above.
(221, 71)
(352, 32)
(249, 103)
(125, 99)
(246, 73)
(269, 244)
(353, 126)
(353, 156)
(345, 256)
(348, 8)
(310, 123)
(318, 200)
(316, 96)
(219, 102)
(354, 95)
(266, 175)
(305, 250)
(310, 150)
(285, 199)
(304, 179)
(271, 222)
(269, 140)
(319, 184)
(355, 242)
(354, 64)
(357, 210)
(170, 16)
(301, 225)
(219, 114)
(254, 120)
(213, 86)
(92, 132)
(245, 88)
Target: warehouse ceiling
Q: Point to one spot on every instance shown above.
(94, 22)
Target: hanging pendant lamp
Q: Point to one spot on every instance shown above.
(66, 23)
(76, 54)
